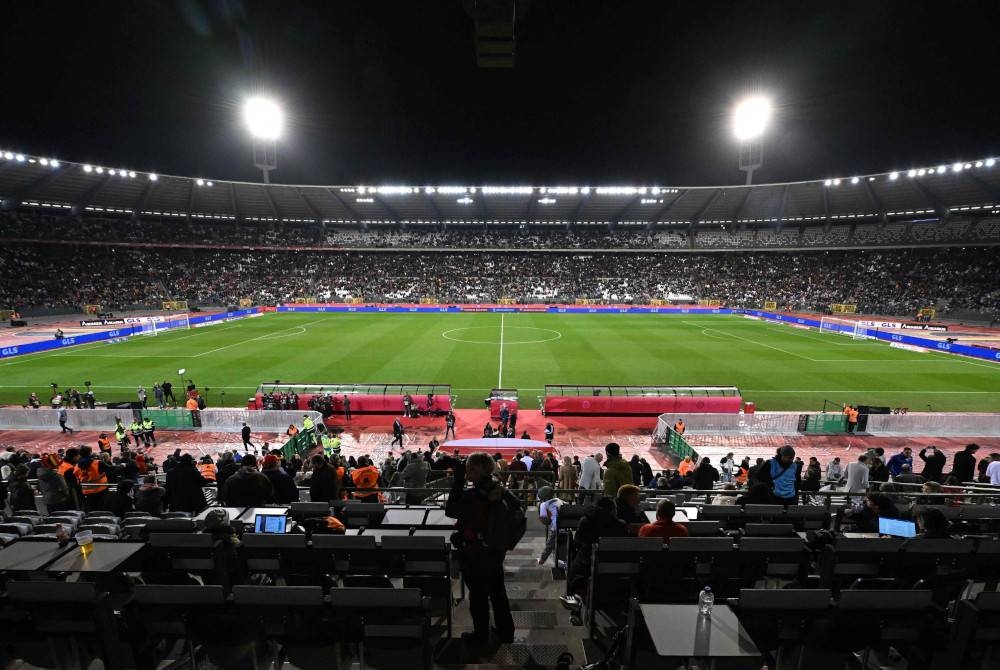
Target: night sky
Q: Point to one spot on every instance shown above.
(609, 92)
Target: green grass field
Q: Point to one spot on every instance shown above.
(779, 367)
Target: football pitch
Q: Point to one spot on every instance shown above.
(776, 366)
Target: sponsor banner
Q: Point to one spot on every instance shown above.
(935, 327)
(102, 322)
(954, 348)
(751, 317)
(507, 309)
(908, 347)
(102, 336)
(889, 325)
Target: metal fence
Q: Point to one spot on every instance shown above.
(223, 420)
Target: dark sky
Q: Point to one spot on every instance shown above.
(603, 92)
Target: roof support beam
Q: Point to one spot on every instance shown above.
(387, 207)
(696, 219)
(234, 202)
(575, 216)
(939, 208)
(826, 208)
(781, 207)
(434, 208)
(876, 201)
(988, 189)
(80, 206)
(742, 207)
(140, 203)
(663, 211)
(17, 198)
(618, 216)
(305, 201)
(270, 201)
(343, 203)
(191, 192)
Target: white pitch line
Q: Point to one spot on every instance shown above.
(254, 339)
(904, 392)
(761, 344)
(500, 374)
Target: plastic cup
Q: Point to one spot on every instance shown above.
(85, 540)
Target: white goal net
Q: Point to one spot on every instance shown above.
(155, 325)
(846, 327)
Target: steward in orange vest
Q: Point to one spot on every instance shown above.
(207, 469)
(679, 427)
(103, 443)
(67, 468)
(365, 478)
(90, 470)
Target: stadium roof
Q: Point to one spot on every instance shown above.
(940, 191)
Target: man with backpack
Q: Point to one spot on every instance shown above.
(490, 522)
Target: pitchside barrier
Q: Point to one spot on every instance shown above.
(491, 307)
(638, 400)
(89, 338)
(939, 424)
(220, 420)
(364, 398)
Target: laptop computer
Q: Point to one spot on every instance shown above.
(270, 523)
(896, 527)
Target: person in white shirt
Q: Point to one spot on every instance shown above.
(727, 465)
(834, 471)
(527, 460)
(548, 513)
(590, 472)
(993, 469)
(857, 475)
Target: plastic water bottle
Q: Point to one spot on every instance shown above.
(706, 600)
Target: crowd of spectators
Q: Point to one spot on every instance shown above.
(879, 282)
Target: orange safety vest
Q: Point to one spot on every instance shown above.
(64, 466)
(365, 478)
(685, 467)
(104, 444)
(191, 404)
(741, 478)
(292, 431)
(852, 416)
(679, 427)
(92, 475)
(207, 471)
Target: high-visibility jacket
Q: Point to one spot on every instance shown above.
(852, 416)
(63, 467)
(307, 424)
(679, 427)
(331, 446)
(91, 475)
(686, 466)
(148, 425)
(207, 471)
(136, 427)
(191, 404)
(104, 444)
(365, 479)
(119, 432)
(292, 431)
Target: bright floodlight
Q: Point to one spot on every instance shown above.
(264, 118)
(751, 117)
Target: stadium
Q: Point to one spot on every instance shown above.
(238, 411)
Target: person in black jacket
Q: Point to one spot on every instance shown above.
(964, 465)
(482, 565)
(324, 484)
(705, 475)
(933, 464)
(600, 521)
(185, 487)
(285, 490)
(226, 468)
(247, 487)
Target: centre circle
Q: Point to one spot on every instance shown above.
(538, 335)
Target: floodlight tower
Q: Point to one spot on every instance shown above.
(265, 121)
(749, 122)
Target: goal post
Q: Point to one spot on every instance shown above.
(846, 327)
(154, 325)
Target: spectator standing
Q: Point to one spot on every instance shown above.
(933, 463)
(285, 490)
(227, 467)
(90, 470)
(834, 471)
(414, 476)
(247, 487)
(896, 463)
(880, 473)
(149, 496)
(992, 470)
(142, 396)
(858, 474)
(617, 473)
(53, 486)
(22, 496)
(636, 468)
(185, 487)
(548, 513)
(168, 393)
(964, 464)
(245, 434)
(476, 510)
(567, 478)
(706, 475)
(590, 472)
(158, 396)
(781, 476)
(449, 424)
(324, 483)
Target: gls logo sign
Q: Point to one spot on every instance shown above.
(8, 351)
(66, 341)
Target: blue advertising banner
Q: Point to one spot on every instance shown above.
(437, 309)
(950, 347)
(88, 338)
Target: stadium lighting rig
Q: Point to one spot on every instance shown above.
(265, 121)
(750, 119)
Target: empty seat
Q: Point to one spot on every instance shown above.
(382, 618)
(772, 557)
(769, 530)
(704, 528)
(783, 622)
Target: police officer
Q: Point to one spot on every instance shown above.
(148, 431)
(309, 428)
(121, 435)
(136, 430)
(550, 433)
